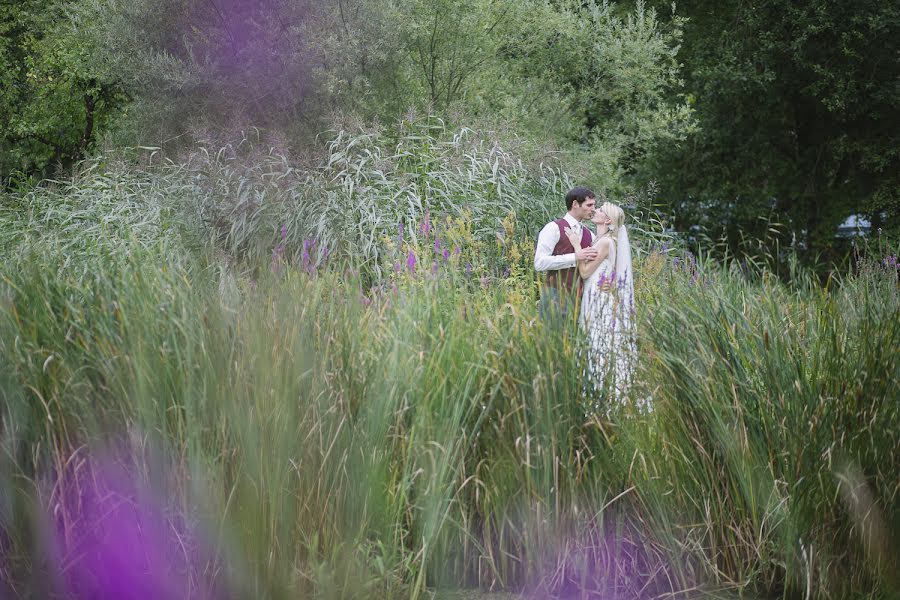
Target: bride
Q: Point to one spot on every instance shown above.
(607, 305)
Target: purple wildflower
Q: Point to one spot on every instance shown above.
(468, 269)
(437, 246)
(506, 272)
(397, 267)
(283, 232)
(411, 262)
(425, 225)
(307, 261)
(457, 251)
(446, 254)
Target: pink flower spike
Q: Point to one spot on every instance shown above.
(411, 262)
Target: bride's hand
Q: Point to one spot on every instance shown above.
(574, 238)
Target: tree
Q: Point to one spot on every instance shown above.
(592, 78)
(56, 95)
(601, 79)
(797, 104)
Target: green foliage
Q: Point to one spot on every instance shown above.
(382, 58)
(577, 75)
(796, 104)
(593, 79)
(598, 79)
(57, 92)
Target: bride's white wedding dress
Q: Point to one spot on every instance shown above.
(607, 308)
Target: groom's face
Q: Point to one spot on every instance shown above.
(585, 210)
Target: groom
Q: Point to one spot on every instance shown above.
(556, 256)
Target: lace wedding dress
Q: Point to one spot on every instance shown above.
(607, 308)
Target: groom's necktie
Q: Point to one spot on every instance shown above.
(577, 229)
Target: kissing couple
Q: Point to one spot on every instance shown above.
(591, 273)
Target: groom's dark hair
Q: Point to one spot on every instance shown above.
(579, 195)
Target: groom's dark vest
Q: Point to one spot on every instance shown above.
(567, 280)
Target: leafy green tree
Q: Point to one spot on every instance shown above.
(383, 57)
(591, 78)
(56, 95)
(797, 104)
(600, 78)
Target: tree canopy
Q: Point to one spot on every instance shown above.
(797, 106)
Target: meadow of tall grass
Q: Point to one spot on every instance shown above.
(230, 377)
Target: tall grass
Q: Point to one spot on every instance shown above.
(303, 433)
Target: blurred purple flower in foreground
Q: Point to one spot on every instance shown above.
(117, 542)
(603, 561)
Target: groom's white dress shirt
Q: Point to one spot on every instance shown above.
(547, 240)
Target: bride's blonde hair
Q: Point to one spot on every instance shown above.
(616, 216)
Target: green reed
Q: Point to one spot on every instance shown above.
(333, 435)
